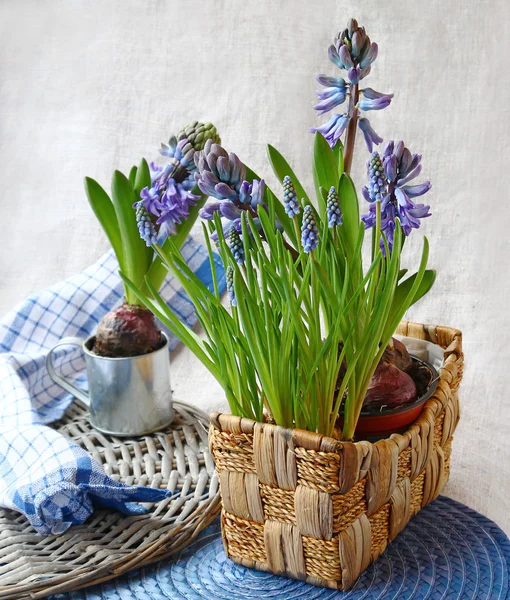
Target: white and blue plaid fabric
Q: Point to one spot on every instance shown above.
(44, 475)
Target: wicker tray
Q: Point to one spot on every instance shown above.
(109, 543)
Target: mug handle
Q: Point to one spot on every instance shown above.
(69, 387)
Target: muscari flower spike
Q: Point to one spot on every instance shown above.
(222, 176)
(333, 210)
(236, 245)
(145, 224)
(388, 177)
(309, 231)
(229, 278)
(290, 202)
(353, 52)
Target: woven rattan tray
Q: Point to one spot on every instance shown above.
(109, 543)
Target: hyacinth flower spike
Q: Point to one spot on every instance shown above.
(164, 203)
(388, 184)
(222, 176)
(353, 52)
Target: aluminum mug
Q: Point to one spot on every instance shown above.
(128, 396)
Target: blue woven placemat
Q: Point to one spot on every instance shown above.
(447, 551)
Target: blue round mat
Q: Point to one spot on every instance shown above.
(447, 551)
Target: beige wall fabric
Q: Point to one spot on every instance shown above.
(88, 87)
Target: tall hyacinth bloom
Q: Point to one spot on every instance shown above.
(353, 52)
(309, 230)
(388, 179)
(222, 176)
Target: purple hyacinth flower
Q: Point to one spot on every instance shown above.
(369, 57)
(375, 103)
(330, 97)
(387, 184)
(369, 134)
(151, 200)
(354, 75)
(333, 129)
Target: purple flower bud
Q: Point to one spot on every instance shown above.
(354, 75)
(333, 129)
(417, 190)
(335, 58)
(390, 167)
(207, 212)
(327, 81)
(369, 134)
(371, 94)
(370, 56)
(229, 210)
(223, 167)
(224, 191)
(345, 57)
(375, 104)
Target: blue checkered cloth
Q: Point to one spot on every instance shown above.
(44, 475)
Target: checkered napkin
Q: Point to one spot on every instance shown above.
(44, 475)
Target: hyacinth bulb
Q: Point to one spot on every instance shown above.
(389, 388)
(128, 330)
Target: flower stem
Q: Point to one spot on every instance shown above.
(351, 130)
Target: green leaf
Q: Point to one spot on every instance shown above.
(105, 213)
(325, 170)
(350, 213)
(405, 287)
(132, 175)
(143, 178)
(338, 151)
(136, 255)
(282, 168)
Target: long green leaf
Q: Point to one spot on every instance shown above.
(325, 170)
(135, 252)
(103, 209)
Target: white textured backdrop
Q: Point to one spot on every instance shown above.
(88, 87)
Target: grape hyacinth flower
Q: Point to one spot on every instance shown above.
(309, 231)
(388, 184)
(290, 202)
(333, 210)
(236, 245)
(145, 224)
(229, 278)
(353, 52)
(222, 176)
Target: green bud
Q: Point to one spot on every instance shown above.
(198, 133)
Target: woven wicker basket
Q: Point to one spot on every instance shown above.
(313, 508)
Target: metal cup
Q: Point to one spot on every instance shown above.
(127, 396)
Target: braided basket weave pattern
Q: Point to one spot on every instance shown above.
(313, 508)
